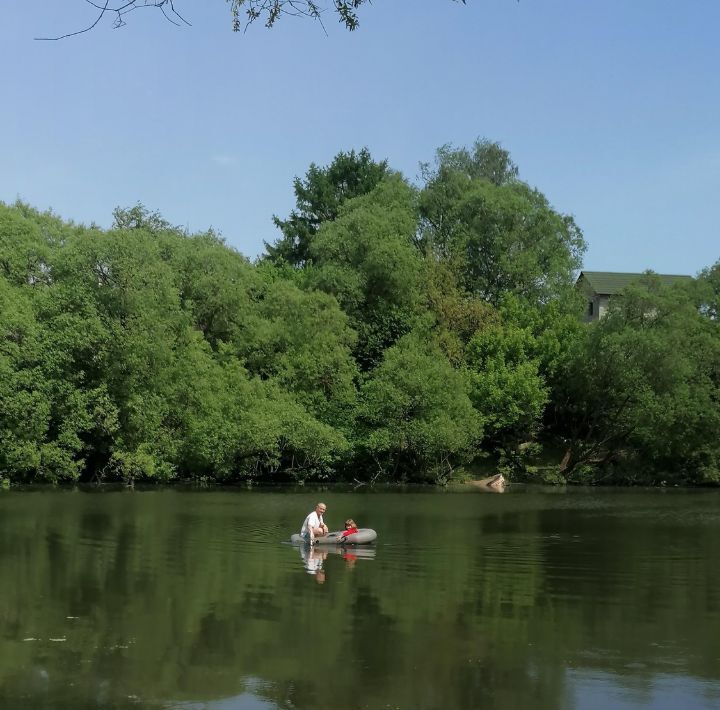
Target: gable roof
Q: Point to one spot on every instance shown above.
(610, 282)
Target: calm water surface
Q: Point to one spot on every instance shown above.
(536, 598)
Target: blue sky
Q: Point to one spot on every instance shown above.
(611, 108)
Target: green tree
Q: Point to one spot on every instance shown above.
(367, 259)
(319, 197)
(457, 315)
(241, 427)
(217, 286)
(49, 407)
(486, 160)
(416, 421)
(639, 397)
(497, 233)
(507, 389)
(303, 342)
(708, 294)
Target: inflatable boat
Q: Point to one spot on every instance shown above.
(364, 536)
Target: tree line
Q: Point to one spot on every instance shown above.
(393, 331)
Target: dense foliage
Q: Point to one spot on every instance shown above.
(393, 331)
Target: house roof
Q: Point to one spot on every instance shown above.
(609, 282)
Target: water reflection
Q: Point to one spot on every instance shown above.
(242, 701)
(168, 599)
(493, 484)
(314, 557)
(598, 691)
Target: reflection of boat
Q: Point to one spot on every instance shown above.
(364, 536)
(355, 553)
(313, 558)
(494, 484)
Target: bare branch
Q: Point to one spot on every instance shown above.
(177, 14)
(243, 12)
(123, 9)
(165, 15)
(103, 10)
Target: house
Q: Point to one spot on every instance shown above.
(600, 286)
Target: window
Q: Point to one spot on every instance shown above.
(591, 308)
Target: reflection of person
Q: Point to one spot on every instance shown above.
(313, 526)
(350, 527)
(350, 560)
(313, 562)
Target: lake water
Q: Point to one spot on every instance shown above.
(536, 598)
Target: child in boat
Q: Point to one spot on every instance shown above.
(350, 528)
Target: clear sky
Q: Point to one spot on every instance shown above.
(610, 107)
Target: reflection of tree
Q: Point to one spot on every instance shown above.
(374, 634)
(177, 600)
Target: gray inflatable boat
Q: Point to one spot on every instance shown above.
(364, 536)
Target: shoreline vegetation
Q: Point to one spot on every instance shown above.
(394, 332)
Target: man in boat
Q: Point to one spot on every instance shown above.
(313, 526)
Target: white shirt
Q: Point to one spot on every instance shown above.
(312, 521)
